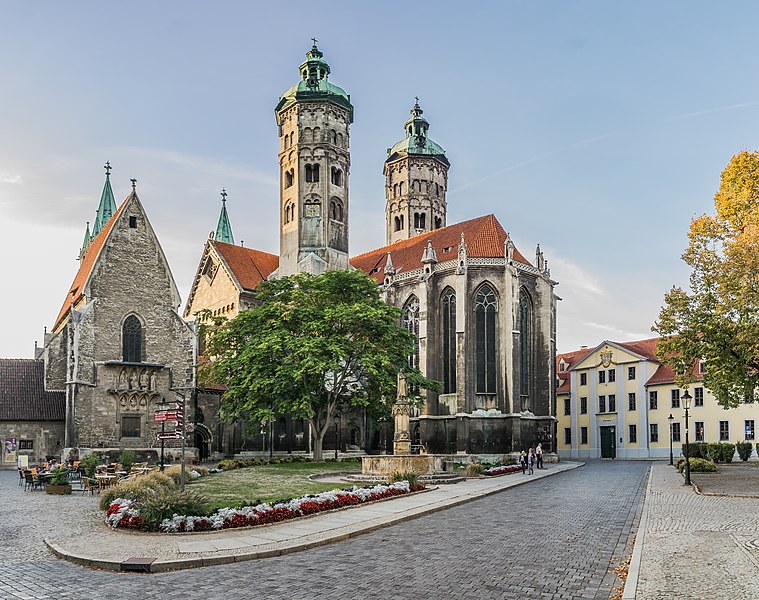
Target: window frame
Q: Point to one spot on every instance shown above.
(124, 430)
(632, 433)
(653, 433)
(724, 431)
(631, 373)
(632, 401)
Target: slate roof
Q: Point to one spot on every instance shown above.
(76, 291)
(483, 236)
(22, 392)
(248, 265)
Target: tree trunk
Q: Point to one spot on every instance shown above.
(318, 441)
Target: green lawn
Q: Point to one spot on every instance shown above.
(241, 487)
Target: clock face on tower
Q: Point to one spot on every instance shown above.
(312, 209)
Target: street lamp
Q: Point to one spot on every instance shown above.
(686, 405)
(671, 418)
(337, 426)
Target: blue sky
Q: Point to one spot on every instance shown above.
(597, 129)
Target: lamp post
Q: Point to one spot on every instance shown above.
(670, 419)
(337, 426)
(686, 406)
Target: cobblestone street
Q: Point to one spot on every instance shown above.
(558, 537)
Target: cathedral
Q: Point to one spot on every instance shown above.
(483, 315)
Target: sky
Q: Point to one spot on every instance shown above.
(596, 129)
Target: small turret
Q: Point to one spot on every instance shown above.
(86, 242)
(224, 229)
(107, 206)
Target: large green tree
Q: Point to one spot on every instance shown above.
(717, 320)
(312, 347)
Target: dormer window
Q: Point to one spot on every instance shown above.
(563, 367)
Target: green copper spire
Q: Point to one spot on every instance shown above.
(86, 242)
(107, 204)
(224, 229)
(417, 141)
(314, 84)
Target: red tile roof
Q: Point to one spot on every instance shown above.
(666, 374)
(22, 392)
(76, 291)
(249, 266)
(646, 348)
(570, 359)
(483, 236)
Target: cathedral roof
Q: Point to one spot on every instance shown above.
(483, 236)
(249, 266)
(76, 291)
(22, 392)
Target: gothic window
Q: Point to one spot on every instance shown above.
(337, 176)
(336, 209)
(132, 339)
(485, 339)
(525, 343)
(289, 176)
(411, 323)
(449, 341)
(420, 220)
(312, 173)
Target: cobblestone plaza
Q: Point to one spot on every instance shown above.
(556, 537)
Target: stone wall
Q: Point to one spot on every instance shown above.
(46, 437)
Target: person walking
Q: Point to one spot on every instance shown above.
(523, 461)
(539, 455)
(530, 461)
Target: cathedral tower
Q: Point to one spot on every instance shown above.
(314, 118)
(416, 179)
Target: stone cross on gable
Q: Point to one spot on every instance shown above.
(107, 167)
(134, 184)
(223, 195)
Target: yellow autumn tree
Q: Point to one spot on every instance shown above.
(717, 319)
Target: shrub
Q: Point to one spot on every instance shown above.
(127, 458)
(89, 463)
(474, 470)
(744, 450)
(175, 472)
(136, 489)
(697, 465)
(60, 476)
(728, 451)
(410, 476)
(162, 503)
(715, 452)
(703, 451)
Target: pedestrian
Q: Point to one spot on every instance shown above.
(530, 461)
(523, 461)
(539, 455)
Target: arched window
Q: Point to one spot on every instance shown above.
(131, 339)
(395, 190)
(337, 176)
(411, 323)
(525, 325)
(289, 178)
(420, 220)
(449, 341)
(438, 222)
(289, 212)
(333, 137)
(340, 139)
(485, 339)
(336, 210)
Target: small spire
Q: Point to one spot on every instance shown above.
(223, 228)
(389, 269)
(86, 242)
(107, 205)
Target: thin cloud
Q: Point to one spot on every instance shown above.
(573, 279)
(710, 111)
(532, 160)
(207, 166)
(12, 179)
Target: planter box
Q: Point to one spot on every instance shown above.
(58, 489)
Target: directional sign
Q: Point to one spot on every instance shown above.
(165, 415)
(173, 435)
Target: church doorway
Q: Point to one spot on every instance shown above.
(203, 439)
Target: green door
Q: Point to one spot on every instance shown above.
(608, 442)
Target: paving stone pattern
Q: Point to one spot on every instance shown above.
(698, 546)
(557, 537)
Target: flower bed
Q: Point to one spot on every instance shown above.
(126, 513)
(501, 470)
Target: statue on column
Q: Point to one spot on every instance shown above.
(402, 411)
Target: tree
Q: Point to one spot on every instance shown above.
(717, 320)
(312, 347)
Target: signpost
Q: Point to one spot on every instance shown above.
(167, 413)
